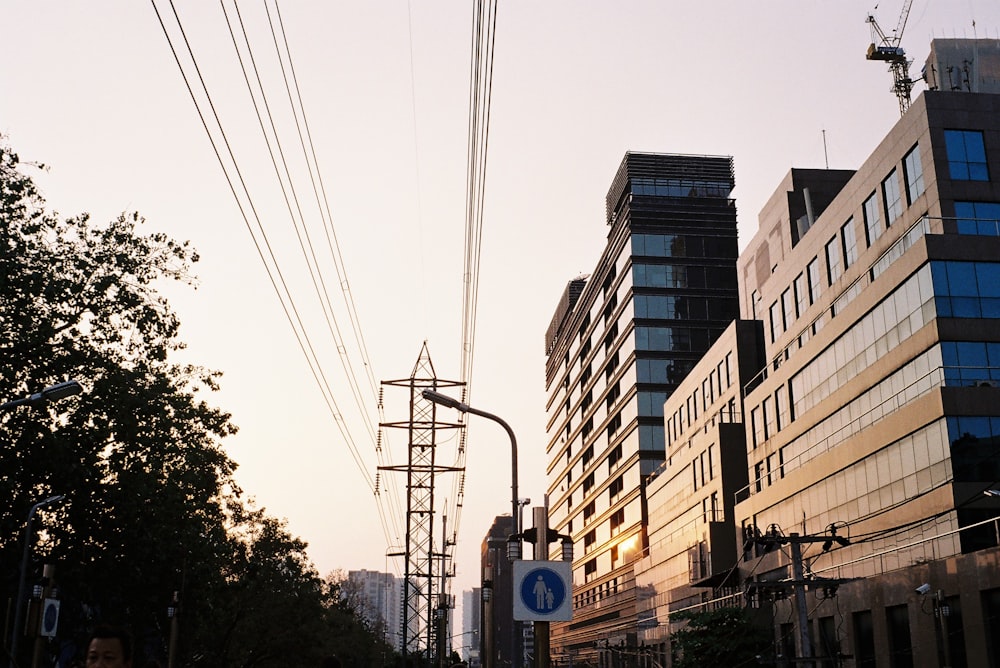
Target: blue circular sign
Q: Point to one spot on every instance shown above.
(542, 591)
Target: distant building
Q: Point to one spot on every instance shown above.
(382, 594)
(620, 342)
(468, 647)
(500, 635)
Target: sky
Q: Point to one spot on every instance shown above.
(92, 90)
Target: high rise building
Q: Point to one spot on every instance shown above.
(870, 520)
(381, 594)
(621, 340)
(874, 424)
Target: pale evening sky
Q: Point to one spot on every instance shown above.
(91, 90)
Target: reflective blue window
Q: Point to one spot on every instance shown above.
(966, 289)
(982, 218)
(966, 155)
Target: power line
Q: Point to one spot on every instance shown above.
(261, 242)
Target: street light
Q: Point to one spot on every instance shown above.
(445, 400)
(50, 393)
(15, 633)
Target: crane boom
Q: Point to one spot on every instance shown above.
(887, 49)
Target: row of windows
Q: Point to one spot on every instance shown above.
(676, 339)
(679, 245)
(978, 218)
(681, 307)
(958, 289)
(682, 276)
(680, 187)
(841, 251)
(873, 336)
(719, 379)
(902, 471)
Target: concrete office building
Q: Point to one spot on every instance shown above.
(692, 552)
(874, 425)
(620, 342)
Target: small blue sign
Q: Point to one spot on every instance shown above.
(542, 591)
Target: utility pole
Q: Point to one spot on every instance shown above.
(798, 582)
(802, 613)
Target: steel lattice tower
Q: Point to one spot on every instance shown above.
(420, 589)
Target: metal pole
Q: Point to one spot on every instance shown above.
(541, 517)
(16, 632)
(451, 402)
(487, 649)
(940, 610)
(805, 645)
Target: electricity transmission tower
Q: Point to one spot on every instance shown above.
(420, 588)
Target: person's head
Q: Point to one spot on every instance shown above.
(109, 647)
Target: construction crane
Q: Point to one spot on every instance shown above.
(887, 49)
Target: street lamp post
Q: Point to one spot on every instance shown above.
(50, 393)
(450, 402)
(16, 632)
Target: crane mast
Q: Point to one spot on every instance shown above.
(887, 49)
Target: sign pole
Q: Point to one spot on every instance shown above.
(540, 553)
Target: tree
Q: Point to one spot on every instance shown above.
(151, 506)
(721, 637)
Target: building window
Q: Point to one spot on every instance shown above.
(754, 300)
(609, 339)
(900, 645)
(913, 174)
(873, 224)
(788, 308)
(590, 570)
(613, 393)
(589, 539)
(588, 511)
(588, 427)
(966, 155)
(864, 638)
(834, 266)
(614, 457)
(801, 294)
(617, 521)
(612, 365)
(892, 198)
(588, 454)
(613, 425)
(588, 399)
(775, 317)
(585, 349)
(978, 218)
(588, 482)
(850, 243)
(616, 487)
(585, 375)
(815, 286)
